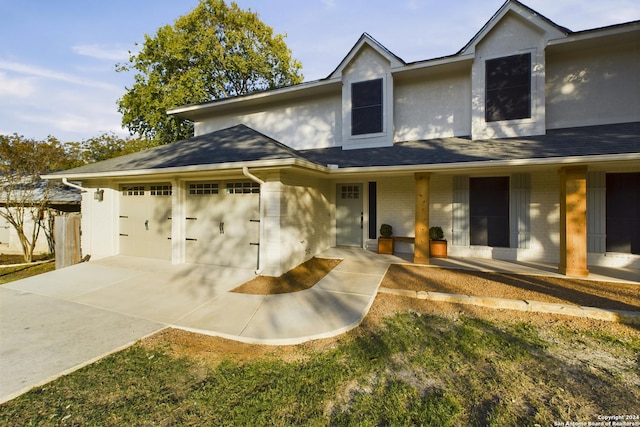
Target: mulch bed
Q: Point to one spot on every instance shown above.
(300, 278)
(609, 295)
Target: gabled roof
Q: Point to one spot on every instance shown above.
(513, 6)
(237, 144)
(366, 40)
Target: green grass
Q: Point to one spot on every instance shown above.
(412, 370)
(10, 274)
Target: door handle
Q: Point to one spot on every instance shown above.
(222, 228)
(146, 225)
(361, 220)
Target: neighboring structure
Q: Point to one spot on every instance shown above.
(524, 145)
(62, 200)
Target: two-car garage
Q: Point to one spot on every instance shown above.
(220, 225)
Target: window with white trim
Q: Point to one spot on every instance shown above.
(508, 88)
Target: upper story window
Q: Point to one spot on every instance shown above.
(366, 107)
(508, 94)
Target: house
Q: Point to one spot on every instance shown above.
(60, 200)
(524, 145)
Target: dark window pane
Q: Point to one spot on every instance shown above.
(508, 82)
(489, 211)
(366, 111)
(366, 120)
(623, 213)
(373, 210)
(364, 94)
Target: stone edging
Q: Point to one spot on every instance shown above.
(619, 316)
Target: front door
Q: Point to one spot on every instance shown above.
(349, 215)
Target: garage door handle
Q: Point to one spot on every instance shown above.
(146, 225)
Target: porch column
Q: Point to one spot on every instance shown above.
(421, 251)
(573, 221)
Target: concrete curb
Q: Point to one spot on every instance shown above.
(619, 316)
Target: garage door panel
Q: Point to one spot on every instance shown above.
(145, 220)
(219, 227)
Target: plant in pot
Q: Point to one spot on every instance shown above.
(437, 243)
(385, 241)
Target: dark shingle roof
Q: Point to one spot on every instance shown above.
(241, 144)
(561, 143)
(235, 144)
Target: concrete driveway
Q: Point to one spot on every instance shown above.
(54, 323)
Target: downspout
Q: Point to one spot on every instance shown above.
(76, 186)
(245, 172)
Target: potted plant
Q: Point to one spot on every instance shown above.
(385, 241)
(437, 243)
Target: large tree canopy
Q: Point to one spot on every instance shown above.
(215, 51)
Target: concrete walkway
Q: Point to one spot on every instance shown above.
(57, 322)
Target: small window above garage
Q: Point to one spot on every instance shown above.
(243, 187)
(132, 190)
(161, 190)
(203, 188)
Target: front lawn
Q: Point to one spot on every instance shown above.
(410, 363)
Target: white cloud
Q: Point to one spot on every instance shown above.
(33, 71)
(99, 51)
(16, 87)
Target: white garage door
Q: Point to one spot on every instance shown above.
(145, 220)
(222, 223)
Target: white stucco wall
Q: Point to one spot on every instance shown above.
(434, 107)
(592, 87)
(10, 242)
(298, 221)
(100, 222)
(308, 123)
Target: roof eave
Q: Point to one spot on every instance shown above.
(219, 167)
(192, 111)
(490, 164)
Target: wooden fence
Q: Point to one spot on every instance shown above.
(67, 238)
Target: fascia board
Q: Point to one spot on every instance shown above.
(443, 167)
(270, 95)
(191, 169)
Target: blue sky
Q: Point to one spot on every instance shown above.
(57, 58)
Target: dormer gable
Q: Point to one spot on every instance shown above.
(508, 72)
(514, 8)
(366, 41)
(367, 94)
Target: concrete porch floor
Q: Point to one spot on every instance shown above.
(597, 273)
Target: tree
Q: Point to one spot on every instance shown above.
(24, 196)
(216, 51)
(102, 147)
